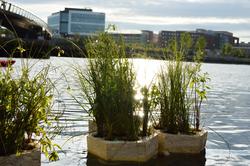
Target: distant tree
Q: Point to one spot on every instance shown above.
(179, 49)
(227, 49)
(201, 43)
(200, 46)
(238, 52)
(186, 42)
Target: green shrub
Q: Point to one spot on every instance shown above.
(25, 105)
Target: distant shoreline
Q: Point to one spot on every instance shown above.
(215, 60)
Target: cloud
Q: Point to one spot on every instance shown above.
(231, 15)
(148, 20)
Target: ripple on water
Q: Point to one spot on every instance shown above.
(227, 108)
(241, 145)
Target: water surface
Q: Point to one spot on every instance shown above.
(226, 115)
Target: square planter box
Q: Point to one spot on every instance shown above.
(138, 151)
(27, 158)
(180, 143)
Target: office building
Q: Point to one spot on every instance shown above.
(143, 38)
(214, 39)
(149, 36)
(165, 37)
(72, 21)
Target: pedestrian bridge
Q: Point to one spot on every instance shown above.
(23, 23)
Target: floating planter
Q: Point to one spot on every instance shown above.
(138, 151)
(181, 143)
(181, 90)
(107, 85)
(28, 157)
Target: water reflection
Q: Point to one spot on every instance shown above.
(172, 160)
(146, 71)
(227, 112)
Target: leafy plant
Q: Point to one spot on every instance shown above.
(25, 105)
(198, 84)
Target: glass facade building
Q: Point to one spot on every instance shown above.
(73, 21)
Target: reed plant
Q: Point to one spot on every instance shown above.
(182, 88)
(107, 86)
(25, 108)
(174, 104)
(149, 102)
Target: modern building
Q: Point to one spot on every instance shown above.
(72, 21)
(166, 36)
(214, 39)
(217, 39)
(149, 35)
(145, 37)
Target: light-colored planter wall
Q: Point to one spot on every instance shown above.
(139, 151)
(179, 143)
(27, 158)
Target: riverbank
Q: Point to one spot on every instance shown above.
(42, 49)
(227, 60)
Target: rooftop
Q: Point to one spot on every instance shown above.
(79, 9)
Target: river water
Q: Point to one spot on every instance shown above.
(226, 115)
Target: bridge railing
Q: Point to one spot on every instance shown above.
(17, 10)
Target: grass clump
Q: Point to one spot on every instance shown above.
(107, 87)
(182, 89)
(174, 102)
(149, 102)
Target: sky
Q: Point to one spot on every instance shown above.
(157, 15)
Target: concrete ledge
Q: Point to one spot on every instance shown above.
(138, 151)
(27, 158)
(180, 143)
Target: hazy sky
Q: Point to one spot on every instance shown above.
(156, 15)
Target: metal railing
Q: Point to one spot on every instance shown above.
(6, 6)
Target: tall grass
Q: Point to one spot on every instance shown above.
(107, 86)
(174, 102)
(181, 88)
(149, 102)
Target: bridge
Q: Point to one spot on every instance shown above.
(23, 23)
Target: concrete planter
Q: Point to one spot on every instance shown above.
(180, 143)
(28, 157)
(138, 151)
